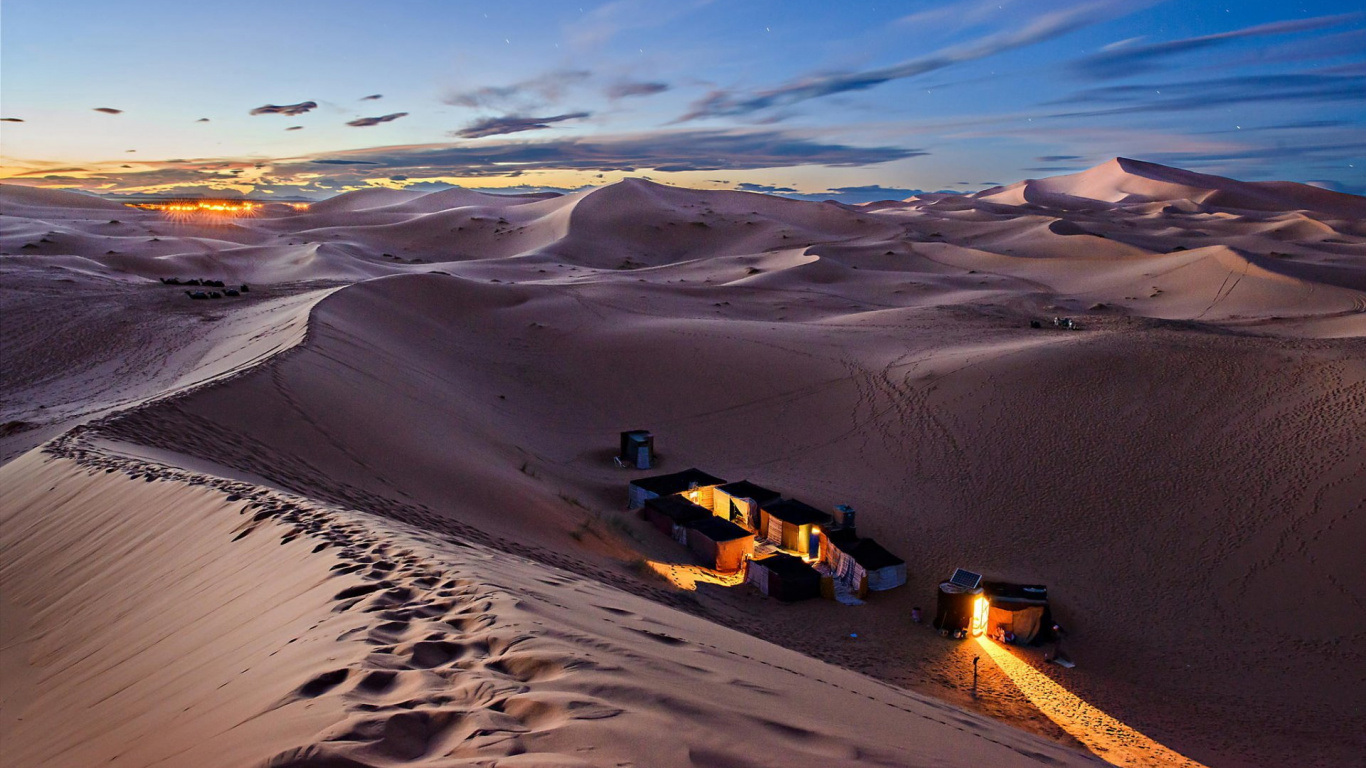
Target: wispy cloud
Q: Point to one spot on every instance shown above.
(535, 92)
(495, 126)
(1217, 92)
(285, 109)
(1127, 60)
(625, 89)
(664, 151)
(109, 110)
(372, 97)
(656, 151)
(368, 121)
(723, 103)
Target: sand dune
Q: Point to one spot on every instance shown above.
(412, 370)
(259, 628)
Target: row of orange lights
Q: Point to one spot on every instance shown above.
(210, 207)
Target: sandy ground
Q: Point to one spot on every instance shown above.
(1185, 472)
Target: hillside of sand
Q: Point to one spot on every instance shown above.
(1184, 472)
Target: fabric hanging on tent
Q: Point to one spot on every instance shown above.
(775, 530)
(746, 512)
(846, 570)
(758, 576)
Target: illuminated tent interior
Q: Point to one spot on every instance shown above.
(739, 502)
(693, 483)
(1021, 610)
(789, 524)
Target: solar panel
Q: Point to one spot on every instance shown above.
(965, 579)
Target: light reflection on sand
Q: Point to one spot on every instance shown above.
(1111, 740)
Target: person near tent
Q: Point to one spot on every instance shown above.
(1056, 655)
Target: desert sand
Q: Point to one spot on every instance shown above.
(365, 514)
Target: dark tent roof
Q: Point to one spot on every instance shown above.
(744, 489)
(797, 513)
(844, 538)
(678, 482)
(872, 556)
(1001, 592)
(718, 529)
(678, 509)
(787, 566)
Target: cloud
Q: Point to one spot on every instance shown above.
(109, 110)
(679, 150)
(202, 120)
(762, 188)
(721, 103)
(372, 97)
(1057, 158)
(1127, 60)
(287, 109)
(295, 128)
(11, 120)
(868, 193)
(626, 89)
(368, 121)
(538, 91)
(1218, 92)
(670, 150)
(494, 126)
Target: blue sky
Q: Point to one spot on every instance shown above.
(856, 100)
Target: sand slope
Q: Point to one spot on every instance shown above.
(243, 628)
(1185, 472)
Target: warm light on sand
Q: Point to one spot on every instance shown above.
(688, 577)
(208, 209)
(1112, 741)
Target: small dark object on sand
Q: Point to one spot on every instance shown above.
(215, 295)
(230, 292)
(244, 288)
(192, 282)
(197, 295)
(170, 281)
(1035, 324)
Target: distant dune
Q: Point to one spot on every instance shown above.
(364, 514)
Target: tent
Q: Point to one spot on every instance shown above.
(1021, 610)
(785, 577)
(739, 502)
(670, 513)
(789, 523)
(957, 606)
(693, 483)
(637, 449)
(859, 564)
(720, 544)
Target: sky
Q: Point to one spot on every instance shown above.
(854, 101)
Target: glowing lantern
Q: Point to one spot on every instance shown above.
(980, 607)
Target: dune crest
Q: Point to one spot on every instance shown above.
(363, 512)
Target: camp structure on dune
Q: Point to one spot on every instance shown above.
(742, 526)
(695, 484)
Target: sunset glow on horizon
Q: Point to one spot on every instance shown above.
(852, 103)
